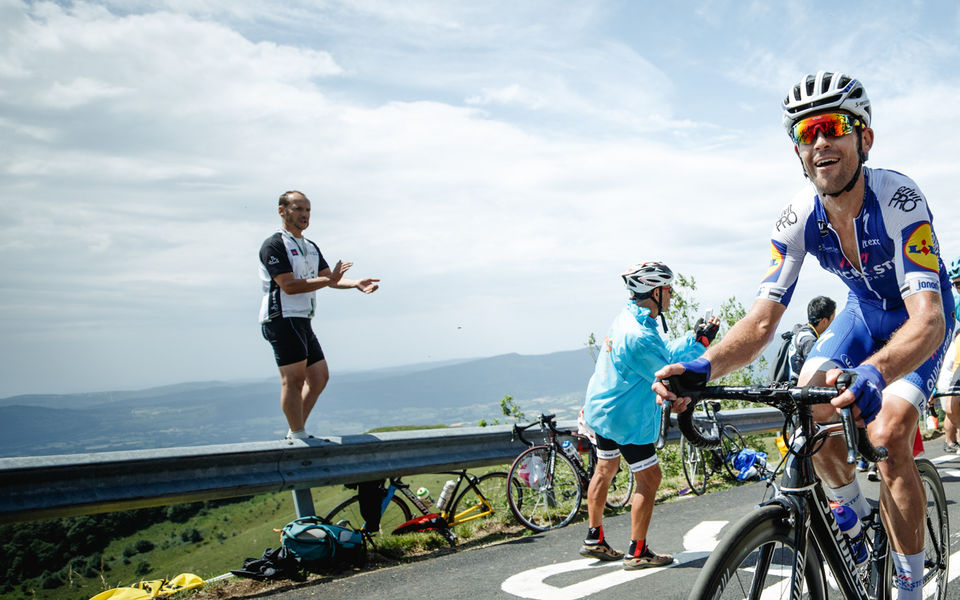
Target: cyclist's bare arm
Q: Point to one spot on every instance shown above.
(915, 341)
(742, 344)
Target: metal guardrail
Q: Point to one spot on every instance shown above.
(77, 484)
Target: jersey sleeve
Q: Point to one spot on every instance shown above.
(787, 250)
(273, 257)
(910, 225)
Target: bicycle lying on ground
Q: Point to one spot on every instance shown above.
(481, 497)
(779, 549)
(545, 486)
(699, 463)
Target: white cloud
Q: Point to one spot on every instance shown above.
(496, 170)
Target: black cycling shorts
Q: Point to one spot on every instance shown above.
(293, 341)
(638, 456)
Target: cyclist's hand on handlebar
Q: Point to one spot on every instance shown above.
(694, 374)
(864, 389)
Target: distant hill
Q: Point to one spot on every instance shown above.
(189, 414)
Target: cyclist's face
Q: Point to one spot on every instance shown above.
(296, 214)
(830, 162)
(666, 294)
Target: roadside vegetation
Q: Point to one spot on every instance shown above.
(76, 558)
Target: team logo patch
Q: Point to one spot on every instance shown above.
(776, 261)
(921, 249)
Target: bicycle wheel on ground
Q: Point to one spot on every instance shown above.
(397, 513)
(468, 508)
(621, 488)
(695, 467)
(543, 489)
(731, 443)
(755, 559)
(937, 533)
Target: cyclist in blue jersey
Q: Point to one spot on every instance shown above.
(874, 230)
(621, 412)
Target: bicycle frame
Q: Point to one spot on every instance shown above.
(463, 516)
(799, 490)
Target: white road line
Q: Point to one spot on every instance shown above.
(698, 542)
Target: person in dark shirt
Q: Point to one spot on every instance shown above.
(820, 313)
(292, 269)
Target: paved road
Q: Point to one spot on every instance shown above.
(547, 566)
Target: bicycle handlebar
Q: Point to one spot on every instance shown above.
(544, 421)
(785, 399)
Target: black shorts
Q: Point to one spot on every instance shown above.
(293, 341)
(638, 456)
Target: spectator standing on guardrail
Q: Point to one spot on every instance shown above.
(292, 269)
(622, 411)
(950, 372)
(873, 228)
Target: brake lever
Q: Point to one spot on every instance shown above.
(846, 417)
(665, 410)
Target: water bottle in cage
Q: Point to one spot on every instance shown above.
(445, 494)
(571, 451)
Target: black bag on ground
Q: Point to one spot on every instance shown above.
(276, 563)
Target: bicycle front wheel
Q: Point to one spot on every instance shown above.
(936, 550)
(755, 560)
(695, 466)
(731, 443)
(543, 489)
(397, 513)
(621, 488)
(468, 506)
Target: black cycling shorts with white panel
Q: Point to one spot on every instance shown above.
(638, 456)
(293, 341)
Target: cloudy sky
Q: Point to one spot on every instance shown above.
(496, 164)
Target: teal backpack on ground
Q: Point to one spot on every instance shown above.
(318, 545)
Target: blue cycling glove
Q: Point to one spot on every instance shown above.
(696, 374)
(867, 388)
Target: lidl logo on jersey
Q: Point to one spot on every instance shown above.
(920, 248)
(776, 260)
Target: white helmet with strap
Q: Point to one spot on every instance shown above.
(823, 91)
(643, 278)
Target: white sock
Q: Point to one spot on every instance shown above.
(297, 435)
(850, 495)
(909, 579)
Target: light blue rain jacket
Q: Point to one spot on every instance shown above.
(620, 405)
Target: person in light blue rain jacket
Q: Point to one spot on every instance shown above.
(621, 415)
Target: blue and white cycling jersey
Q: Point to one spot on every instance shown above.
(899, 256)
(619, 404)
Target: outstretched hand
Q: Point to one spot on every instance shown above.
(336, 274)
(368, 286)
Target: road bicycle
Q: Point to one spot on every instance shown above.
(480, 497)
(779, 549)
(700, 463)
(545, 487)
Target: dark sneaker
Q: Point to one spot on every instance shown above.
(872, 474)
(862, 465)
(648, 559)
(951, 448)
(599, 550)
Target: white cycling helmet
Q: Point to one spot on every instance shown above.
(823, 91)
(644, 278)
